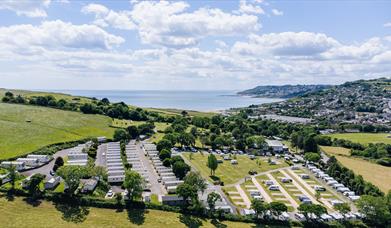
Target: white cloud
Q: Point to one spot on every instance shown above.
(387, 25)
(169, 24)
(106, 17)
(277, 12)
(29, 8)
(286, 44)
(249, 8)
(57, 35)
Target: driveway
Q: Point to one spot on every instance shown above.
(45, 170)
(284, 192)
(242, 194)
(100, 155)
(264, 194)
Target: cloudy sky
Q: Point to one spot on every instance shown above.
(197, 45)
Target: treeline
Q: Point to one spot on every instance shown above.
(379, 151)
(347, 177)
(104, 107)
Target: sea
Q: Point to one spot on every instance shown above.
(186, 100)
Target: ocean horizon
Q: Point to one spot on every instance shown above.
(205, 100)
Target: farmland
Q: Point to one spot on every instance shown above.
(18, 213)
(364, 138)
(374, 173)
(228, 173)
(24, 128)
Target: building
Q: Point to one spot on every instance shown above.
(101, 139)
(89, 185)
(53, 182)
(31, 162)
(17, 164)
(275, 146)
(41, 157)
(172, 200)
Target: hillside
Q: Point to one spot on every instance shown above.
(357, 102)
(25, 128)
(284, 91)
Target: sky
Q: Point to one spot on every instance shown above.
(191, 45)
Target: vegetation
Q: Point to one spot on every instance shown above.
(374, 173)
(364, 138)
(24, 129)
(134, 183)
(18, 213)
(212, 164)
(346, 176)
(228, 173)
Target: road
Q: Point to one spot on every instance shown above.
(45, 170)
(156, 187)
(242, 194)
(264, 194)
(101, 155)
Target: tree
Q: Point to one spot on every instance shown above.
(163, 154)
(375, 210)
(33, 185)
(309, 143)
(120, 134)
(212, 163)
(317, 195)
(313, 157)
(186, 139)
(184, 113)
(186, 191)
(259, 207)
(308, 209)
(213, 197)
(167, 162)
(194, 131)
(342, 208)
(134, 183)
(195, 179)
(180, 169)
(255, 142)
(12, 175)
(118, 198)
(164, 144)
(58, 163)
(204, 139)
(71, 176)
(133, 131)
(277, 208)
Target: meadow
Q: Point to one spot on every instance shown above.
(25, 128)
(364, 138)
(376, 174)
(18, 213)
(228, 173)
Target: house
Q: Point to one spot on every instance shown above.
(275, 145)
(89, 185)
(53, 182)
(17, 164)
(31, 162)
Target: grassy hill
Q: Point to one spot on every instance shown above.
(25, 128)
(364, 138)
(18, 213)
(376, 174)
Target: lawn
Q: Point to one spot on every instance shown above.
(18, 213)
(333, 150)
(376, 174)
(364, 138)
(228, 173)
(25, 128)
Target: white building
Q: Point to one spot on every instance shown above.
(17, 164)
(52, 183)
(275, 145)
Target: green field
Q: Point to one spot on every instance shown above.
(18, 213)
(228, 173)
(364, 138)
(376, 174)
(25, 128)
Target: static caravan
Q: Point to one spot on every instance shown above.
(32, 162)
(171, 189)
(173, 183)
(52, 183)
(18, 165)
(41, 157)
(116, 179)
(343, 189)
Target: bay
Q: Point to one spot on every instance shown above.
(189, 100)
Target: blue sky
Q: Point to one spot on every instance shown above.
(191, 45)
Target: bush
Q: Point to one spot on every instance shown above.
(167, 162)
(384, 161)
